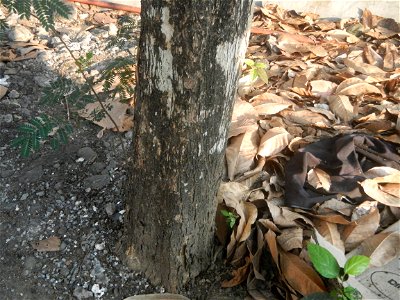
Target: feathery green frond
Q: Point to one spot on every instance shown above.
(38, 131)
(126, 32)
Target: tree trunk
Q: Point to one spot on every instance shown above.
(189, 63)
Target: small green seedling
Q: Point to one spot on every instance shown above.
(230, 217)
(257, 70)
(326, 265)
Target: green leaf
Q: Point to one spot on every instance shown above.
(260, 65)
(18, 141)
(324, 262)
(26, 148)
(249, 62)
(263, 75)
(232, 222)
(253, 74)
(356, 265)
(225, 213)
(352, 293)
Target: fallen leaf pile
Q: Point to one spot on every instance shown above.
(313, 152)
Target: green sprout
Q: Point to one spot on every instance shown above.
(230, 217)
(326, 265)
(257, 70)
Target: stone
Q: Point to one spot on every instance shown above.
(97, 167)
(3, 91)
(32, 175)
(110, 208)
(6, 173)
(42, 81)
(20, 34)
(88, 154)
(112, 29)
(8, 118)
(30, 263)
(81, 293)
(13, 94)
(97, 181)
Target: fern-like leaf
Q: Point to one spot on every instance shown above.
(38, 131)
(44, 13)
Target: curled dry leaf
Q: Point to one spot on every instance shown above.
(239, 275)
(285, 218)
(348, 82)
(306, 117)
(319, 179)
(322, 88)
(232, 193)
(270, 104)
(51, 244)
(341, 107)
(300, 275)
(359, 89)
(249, 217)
(274, 141)
(241, 150)
(244, 117)
(365, 227)
(291, 238)
(365, 69)
(384, 189)
(380, 248)
(330, 232)
(118, 112)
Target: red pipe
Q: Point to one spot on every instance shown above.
(114, 6)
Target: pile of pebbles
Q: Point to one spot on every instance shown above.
(74, 193)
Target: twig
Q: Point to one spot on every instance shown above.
(377, 157)
(91, 88)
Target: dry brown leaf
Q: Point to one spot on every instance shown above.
(384, 189)
(306, 117)
(285, 218)
(380, 248)
(300, 275)
(241, 150)
(366, 69)
(244, 116)
(51, 244)
(342, 107)
(330, 232)
(322, 88)
(348, 82)
(273, 141)
(250, 216)
(335, 205)
(239, 275)
(319, 179)
(343, 35)
(360, 89)
(365, 227)
(118, 112)
(270, 104)
(291, 238)
(232, 193)
(373, 57)
(376, 126)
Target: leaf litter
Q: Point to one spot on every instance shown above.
(313, 152)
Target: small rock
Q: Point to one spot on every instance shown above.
(100, 246)
(6, 173)
(20, 34)
(42, 81)
(30, 263)
(3, 91)
(97, 167)
(110, 208)
(11, 71)
(8, 118)
(112, 29)
(32, 175)
(81, 293)
(24, 196)
(88, 154)
(97, 181)
(97, 291)
(13, 94)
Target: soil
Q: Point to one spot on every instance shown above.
(74, 193)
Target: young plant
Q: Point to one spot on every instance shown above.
(230, 217)
(326, 265)
(257, 70)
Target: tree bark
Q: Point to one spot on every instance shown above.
(188, 67)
